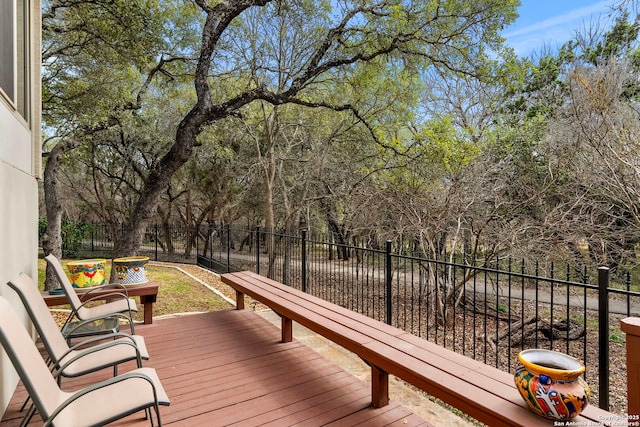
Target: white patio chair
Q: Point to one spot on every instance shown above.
(97, 404)
(86, 356)
(120, 305)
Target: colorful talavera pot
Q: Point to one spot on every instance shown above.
(86, 273)
(131, 270)
(551, 383)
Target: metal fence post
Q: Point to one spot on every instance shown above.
(304, 260)
(388, 280)
(603, 337)
(155, 227)
(257, 250)
(210, 242)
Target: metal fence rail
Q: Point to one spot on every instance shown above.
(485, 310)
(492, 310)
(160, 243)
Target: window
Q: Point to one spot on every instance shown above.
(15, 54)
(7, 49)
(23, 43)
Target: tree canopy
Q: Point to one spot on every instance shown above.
(371, 120)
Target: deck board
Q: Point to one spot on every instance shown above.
(229, 368)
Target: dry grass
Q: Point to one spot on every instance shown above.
(181, 289)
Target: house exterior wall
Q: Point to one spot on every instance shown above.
(19, 160)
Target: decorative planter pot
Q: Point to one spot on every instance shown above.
(131, 270)
(551, 383)
(86, 273)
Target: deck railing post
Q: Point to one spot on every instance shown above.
(387, 278)
(228, 248)
(257, 250)
(603, 337)
(631, 327)
(304, 260)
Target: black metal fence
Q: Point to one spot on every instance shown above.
(161, 243)
(486, 310)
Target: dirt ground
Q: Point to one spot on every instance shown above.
(617, 387)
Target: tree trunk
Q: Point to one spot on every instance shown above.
(129, 239)
(269, 166)
(340, 235)
(52, 240)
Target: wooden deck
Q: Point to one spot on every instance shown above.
(229, 368)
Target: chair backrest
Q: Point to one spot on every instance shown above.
(40, 315)
(66, 285)
(27, 361)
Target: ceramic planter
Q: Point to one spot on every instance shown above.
(551, 383)
(86, 273)
(131, 270)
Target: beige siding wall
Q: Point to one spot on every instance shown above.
(19, 171)
(18, 247)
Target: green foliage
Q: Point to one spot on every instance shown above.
(360, 64)
(94, 57)
(42, 227)
(73, 233)
(619, 41)
(446, 146)
(616, 339)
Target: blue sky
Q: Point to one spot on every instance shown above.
(552, 22)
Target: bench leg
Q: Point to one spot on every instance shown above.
(148, 313)
(287, 329)
(239, 300)
(379, 387)
(147, 304)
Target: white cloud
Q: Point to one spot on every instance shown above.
(555, 30)
(563, 22)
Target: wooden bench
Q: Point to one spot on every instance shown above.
(147, 293)
(481, 391)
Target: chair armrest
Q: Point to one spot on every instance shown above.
(129, 318)
(119, 286)
(57, 368)
(113, 295)
(112, 336)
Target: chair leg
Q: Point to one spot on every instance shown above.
(158, 415)
(133, 331)
(24, 405)
(157, 409)
(27, 417)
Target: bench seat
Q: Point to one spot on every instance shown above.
(479, 390)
